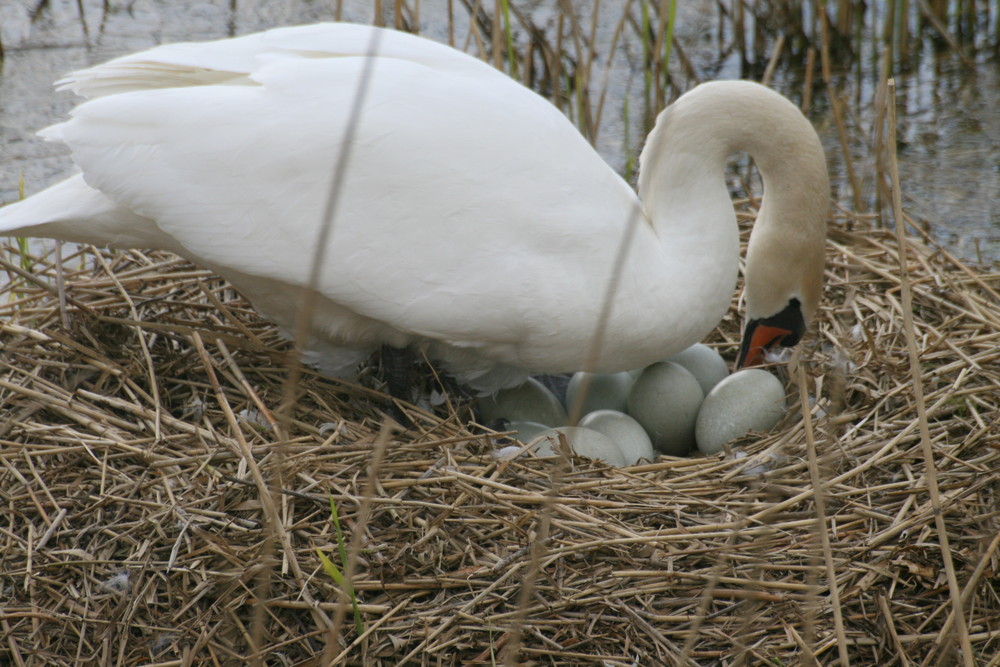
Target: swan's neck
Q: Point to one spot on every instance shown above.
(682, 186)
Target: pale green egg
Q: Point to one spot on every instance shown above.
(665, 400)
(748, 400)
(588, 443)
(528, 431)
(529, 402)
(624, 431)
(708, 367)
(606, 391)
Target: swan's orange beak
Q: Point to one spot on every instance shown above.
(757, 339)
(761, 334)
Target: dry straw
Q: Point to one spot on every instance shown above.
(137, 455)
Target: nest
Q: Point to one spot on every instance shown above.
(166, 490)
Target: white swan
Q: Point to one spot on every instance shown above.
(474, 220)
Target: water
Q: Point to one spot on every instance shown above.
(949, 130)
(949, 161)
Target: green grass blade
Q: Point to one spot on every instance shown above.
(341, 546)
(335, 572)
(629, 153)
(647, 61)
(668, 41)
(330, 567)
(512, 68)
(22, 242)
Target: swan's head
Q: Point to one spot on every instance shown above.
(784, 281)
(784, 329)
(785, 257)
(784, 268)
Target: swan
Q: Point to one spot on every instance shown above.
(473, 220)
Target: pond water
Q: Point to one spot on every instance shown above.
(949, 128)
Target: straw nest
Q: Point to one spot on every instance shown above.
(157, 507)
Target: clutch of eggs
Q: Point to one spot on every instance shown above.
(671, 407)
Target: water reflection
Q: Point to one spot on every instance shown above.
(951, 141)
(949, 130)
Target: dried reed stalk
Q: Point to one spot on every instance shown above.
(917, 377)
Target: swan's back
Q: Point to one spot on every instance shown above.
(447, 230)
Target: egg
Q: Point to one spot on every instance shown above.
(748, 400)
(708, 367)
(665, 400)
(528, 431)
(529, 402)
(607, 391)
(588, 443)
(525, 430)
(624, 431)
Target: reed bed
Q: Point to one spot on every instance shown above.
(158, 509)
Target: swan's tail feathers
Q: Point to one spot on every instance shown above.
(130, 74)
(170, 66)
(74, 211)
(234, 61)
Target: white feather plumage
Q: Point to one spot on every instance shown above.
(474, 220)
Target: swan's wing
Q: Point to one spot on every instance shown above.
(471, 212)
(232, 61)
